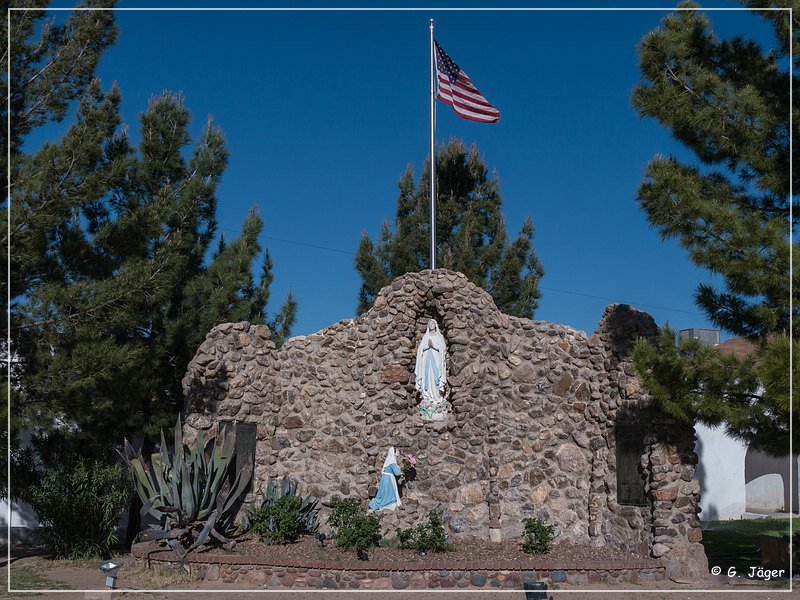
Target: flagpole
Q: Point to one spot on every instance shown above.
(433, 153)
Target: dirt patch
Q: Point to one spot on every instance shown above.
(308, 548)
(64, 574)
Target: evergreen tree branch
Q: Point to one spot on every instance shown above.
(471, 236)
(728, 102)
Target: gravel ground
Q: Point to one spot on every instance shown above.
(309, 548)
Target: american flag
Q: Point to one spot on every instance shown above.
(456, 89)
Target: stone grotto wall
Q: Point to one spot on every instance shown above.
(531, 432)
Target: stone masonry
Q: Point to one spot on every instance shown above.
(531, 433)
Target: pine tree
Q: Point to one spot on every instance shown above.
(51, 71)
(48, 73)
(470, 234)
(112, 285)
(727, 101)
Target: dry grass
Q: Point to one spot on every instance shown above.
(137, 576)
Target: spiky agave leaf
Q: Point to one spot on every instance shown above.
(188, 490)
(202, 538)
(239, 485)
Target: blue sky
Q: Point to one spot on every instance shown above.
(324, 110)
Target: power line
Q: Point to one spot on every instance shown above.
(549, 289)
(266, 237)
(687, 312)
(295, 242)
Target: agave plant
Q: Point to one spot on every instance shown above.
(188, 490)
(283, 514)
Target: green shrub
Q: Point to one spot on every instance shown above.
(406, 537)
(431, 536)
(78, 505)
(426, 537)
(352, 526)
(537, 536)
(280, 522)
(284, 515)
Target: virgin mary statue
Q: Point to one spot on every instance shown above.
(388, 497)
(431, 373)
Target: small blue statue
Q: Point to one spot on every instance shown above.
(388, 497)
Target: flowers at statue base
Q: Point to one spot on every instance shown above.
(408, 465)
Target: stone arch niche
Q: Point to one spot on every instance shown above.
(531, 433)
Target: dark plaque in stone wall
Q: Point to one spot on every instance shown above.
(245, 446)
(630, 479)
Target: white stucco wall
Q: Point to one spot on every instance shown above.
(735, 480)
(720, 471)
(22, 518)
(765, 493)
(769, 482)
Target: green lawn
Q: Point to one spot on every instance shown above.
(736, 543)
(26, 577)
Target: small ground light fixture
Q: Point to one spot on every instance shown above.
(536, 590)
(110, 569)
